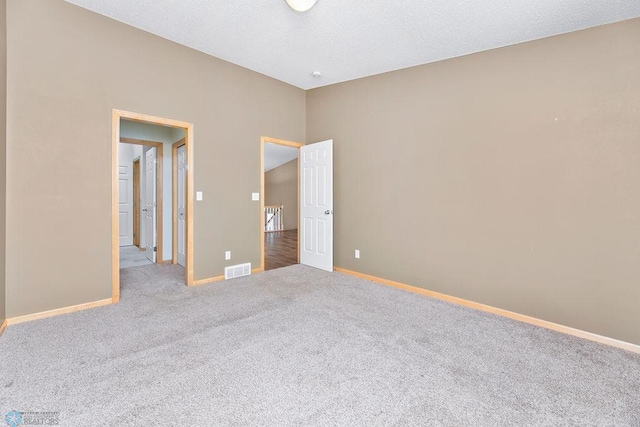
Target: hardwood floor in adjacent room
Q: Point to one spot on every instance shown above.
(280, 249)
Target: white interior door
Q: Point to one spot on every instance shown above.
(182, 199)
(125, 203)
(316, 205)
(150, 204)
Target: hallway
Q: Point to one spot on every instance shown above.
(132, 256)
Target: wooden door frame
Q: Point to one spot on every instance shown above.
(174, 196)
(116, 116)
(159, 189)
(136, 203)
(269, 140)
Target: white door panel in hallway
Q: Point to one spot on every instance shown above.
(316, 205)
(181, 195)
(125, 203)
(150, 204)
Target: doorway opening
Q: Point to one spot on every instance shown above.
(139, 198)
(279, 205)
(149, 231)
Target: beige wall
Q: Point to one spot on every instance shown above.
(281, 186)
(510, 177)
(67, 69)
(3, 150)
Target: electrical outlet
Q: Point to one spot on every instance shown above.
(227, 255)
(357, 253)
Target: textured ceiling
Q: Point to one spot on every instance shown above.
(347, 39)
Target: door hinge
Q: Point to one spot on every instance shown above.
(155, 249)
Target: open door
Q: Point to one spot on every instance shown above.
(136, 202)
(316, 205)
(182, 203)
(125, 205)
(150, 204)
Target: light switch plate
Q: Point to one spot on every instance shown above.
(255, 196)
(227, 255)
(198, 195)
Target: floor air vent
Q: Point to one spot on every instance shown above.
(239, 270)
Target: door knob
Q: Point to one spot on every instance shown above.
(144, 210)
(328, 212)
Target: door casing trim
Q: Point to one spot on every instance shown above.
(116, 115)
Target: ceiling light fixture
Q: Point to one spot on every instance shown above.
(301, 5)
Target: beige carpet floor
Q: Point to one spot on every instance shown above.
(299, 346)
